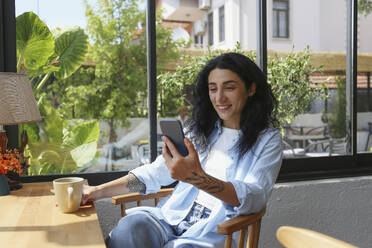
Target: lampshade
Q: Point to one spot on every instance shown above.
(17, 101)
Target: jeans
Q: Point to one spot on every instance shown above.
(141, 229)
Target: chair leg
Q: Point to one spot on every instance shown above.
(228, 241)
(254, 234)
(123, 212)
(242, 238)
(367, 142)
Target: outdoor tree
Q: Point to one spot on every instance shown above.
(118, 49)
(337, 118)
(365, 7)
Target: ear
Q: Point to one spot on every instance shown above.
(252, 89)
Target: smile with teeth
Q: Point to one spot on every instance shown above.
(223, 107)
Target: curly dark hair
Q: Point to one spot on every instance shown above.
(259, 111)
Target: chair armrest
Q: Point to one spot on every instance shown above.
(132, 197)
(239, 222)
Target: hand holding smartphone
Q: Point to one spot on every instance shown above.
(173, 130)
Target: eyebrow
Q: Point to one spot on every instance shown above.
(226, 82)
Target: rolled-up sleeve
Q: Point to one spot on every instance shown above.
(254, 189)
(153, 175)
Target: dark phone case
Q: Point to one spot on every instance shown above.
(173, 130)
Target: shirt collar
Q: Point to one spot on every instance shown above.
(218, 125)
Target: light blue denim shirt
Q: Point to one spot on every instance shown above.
(253, 177)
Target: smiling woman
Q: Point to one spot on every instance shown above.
(234, 157)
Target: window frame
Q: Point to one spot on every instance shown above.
(221, 23)
(210, 28)
(356, 164)
(277, 22)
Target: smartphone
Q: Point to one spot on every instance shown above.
(173, 130)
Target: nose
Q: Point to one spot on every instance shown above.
(220, 96)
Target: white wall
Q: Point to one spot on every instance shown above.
(169, 6)
(248, 25)
(332, 26)
(365, 34)
(303, 27)
(340, 208)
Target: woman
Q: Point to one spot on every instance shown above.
(234, 159)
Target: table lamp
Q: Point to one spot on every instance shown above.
(17, 103)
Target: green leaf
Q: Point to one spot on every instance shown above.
(84, 153)
(48, 156)
(71, 46)
(35, 43)
(81, 134)
(53, 123)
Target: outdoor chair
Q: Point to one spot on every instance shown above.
(289, 151)
(239, 223)
(295, 237)
(300, 135)
(329, 147)
(326, 147)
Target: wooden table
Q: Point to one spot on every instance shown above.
(29, 218)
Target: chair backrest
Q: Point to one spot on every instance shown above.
(295, 237)
(289, 151)
(338, 146)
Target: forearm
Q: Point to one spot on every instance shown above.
(120, 186)
(222, 190)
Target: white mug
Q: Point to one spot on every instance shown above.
(68, 192)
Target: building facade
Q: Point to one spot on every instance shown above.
(291, 24)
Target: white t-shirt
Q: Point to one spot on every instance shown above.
(216, 163)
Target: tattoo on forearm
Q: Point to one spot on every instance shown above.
(207, 183)
(135, 185)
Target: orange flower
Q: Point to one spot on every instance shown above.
(9, 161)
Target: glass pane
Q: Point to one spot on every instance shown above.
(221, 23)
(93, 100)
(364, 92)
(176, 82)
(275, 24)
(210, 29)
(283, 24)
(307, 73)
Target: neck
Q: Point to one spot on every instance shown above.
(232, 125)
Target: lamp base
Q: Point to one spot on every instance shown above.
(3, 140)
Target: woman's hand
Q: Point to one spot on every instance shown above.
(89, 194)
(188, 169)
(182, 168)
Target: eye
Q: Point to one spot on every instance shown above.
(230, 88)
(212, 89)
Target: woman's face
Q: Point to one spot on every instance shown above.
(228, 95)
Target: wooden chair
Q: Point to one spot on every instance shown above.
(295, 237)
(239, 223)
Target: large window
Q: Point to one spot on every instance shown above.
(280, 19)
(221, 23)
(94, 100)
(89, 127)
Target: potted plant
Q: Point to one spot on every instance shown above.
(9, 164)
